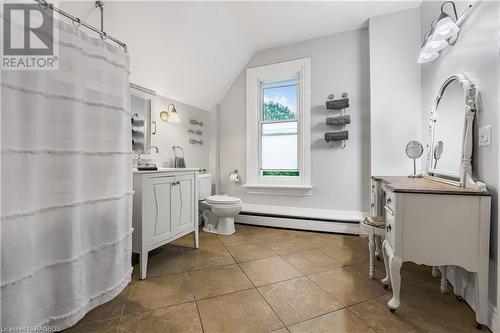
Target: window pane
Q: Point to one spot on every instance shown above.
(279, 146)
(280, 102)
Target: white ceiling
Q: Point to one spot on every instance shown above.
(192, 51)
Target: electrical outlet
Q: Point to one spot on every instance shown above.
(485, 136)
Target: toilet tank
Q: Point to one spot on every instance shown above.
(204, 186)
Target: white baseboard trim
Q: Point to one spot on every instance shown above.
(301, 224)
(464, 288)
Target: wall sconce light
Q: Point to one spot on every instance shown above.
(444, 31)
(170, 115)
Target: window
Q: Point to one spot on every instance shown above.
(278, 130)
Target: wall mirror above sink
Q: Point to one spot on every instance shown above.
(451, 133)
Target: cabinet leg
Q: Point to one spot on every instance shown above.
(196, 237)
(481, 286)
(386, 281)
(143, 263)
(444, 282)
(371, 249)
(435, 271)
(395, 267)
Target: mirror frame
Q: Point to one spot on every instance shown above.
(463, 178)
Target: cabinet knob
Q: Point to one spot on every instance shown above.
(388, 228)
(372, 205)
(389, 200)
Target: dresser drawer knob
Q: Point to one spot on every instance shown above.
(389, 200)
(388, 228)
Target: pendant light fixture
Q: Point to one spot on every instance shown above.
(444, 31)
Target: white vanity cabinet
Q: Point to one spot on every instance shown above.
(436, 224)
(165, 208)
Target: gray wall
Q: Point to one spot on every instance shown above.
(340, 177)
(476, 56)
(395, 91)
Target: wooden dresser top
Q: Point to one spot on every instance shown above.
(424, 185)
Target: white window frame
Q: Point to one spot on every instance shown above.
(256, 183)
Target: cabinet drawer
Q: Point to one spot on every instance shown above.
(389, 225)
(389, 199)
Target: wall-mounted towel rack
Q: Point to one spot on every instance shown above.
(341, 120)
(196, 132)
(196, 122)
(195, 142)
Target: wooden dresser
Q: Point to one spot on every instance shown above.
(436, 224)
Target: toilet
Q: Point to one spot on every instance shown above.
(218, 211)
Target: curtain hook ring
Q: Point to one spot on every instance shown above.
(104, 36)
(78, 21)
(125, 49)
(42, 4)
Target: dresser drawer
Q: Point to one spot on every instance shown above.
(389, 225)
(389, 199)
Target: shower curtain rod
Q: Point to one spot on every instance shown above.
(44, 5)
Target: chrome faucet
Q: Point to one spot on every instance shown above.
(145, 151)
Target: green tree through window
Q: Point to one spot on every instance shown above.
(277, 111)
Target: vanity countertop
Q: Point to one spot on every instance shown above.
(424, 185)
(135, 171)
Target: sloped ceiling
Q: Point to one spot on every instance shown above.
(192, 51)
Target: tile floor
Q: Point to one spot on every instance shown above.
(274, 280)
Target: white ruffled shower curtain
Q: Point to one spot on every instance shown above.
(66, 184)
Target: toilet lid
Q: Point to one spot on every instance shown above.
(223, 199)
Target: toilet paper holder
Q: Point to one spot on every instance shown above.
(234, 176)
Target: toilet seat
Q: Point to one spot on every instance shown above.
(223, 200)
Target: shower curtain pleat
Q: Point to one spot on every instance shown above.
(66, 184)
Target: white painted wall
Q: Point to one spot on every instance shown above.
(340, 177)
(476, 55)
(394, 90)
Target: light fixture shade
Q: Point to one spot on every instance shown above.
(445, 28)
(426, 57)
(173, 117)
(433, 46)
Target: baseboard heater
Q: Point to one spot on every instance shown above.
(299, 222)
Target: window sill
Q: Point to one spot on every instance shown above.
(269, 189)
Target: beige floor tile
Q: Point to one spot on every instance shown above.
(347, 252)
(182, 318)
(454, 316)
(341, 321)
(159, 292)
(298, 299)
(269, 234)
(247, 252)
(168, 259)
(311, 261)
(104, 326)
(348, 285)
(269, 270)
(242, 312)
(109, 310)
(218, 281)
(238, 238)
(281, 330)
(293, 245)
(408, 318)
(208, 256)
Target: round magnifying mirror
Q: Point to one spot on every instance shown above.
(414, 150)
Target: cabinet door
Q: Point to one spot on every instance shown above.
(158, 208)
(183, 203)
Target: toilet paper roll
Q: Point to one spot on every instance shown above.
(234, 177)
